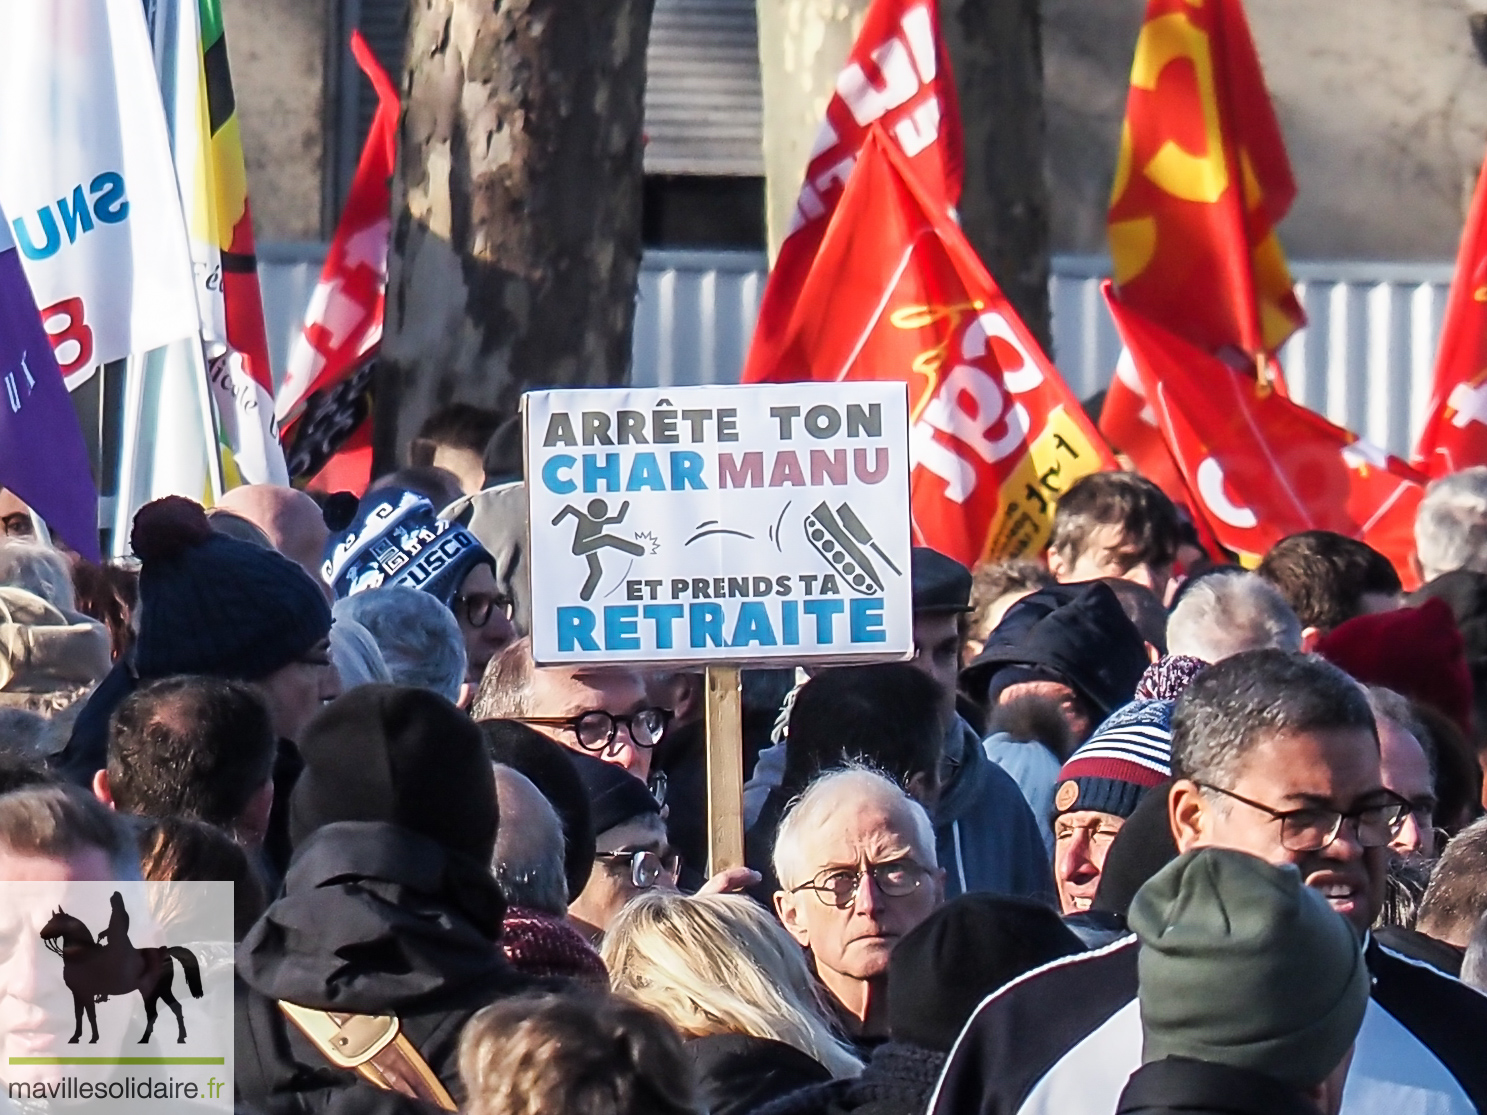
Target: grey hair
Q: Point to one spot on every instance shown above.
(1456, 899)
(1243, 700)
(1451, 524)
(356, 655)
(854, 784)
(59, 821)
(419, 637)
(1225, 613)
(40, 570)
(506, 687)
(528, 860)
(1396, 708)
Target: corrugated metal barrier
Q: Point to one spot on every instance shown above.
(1364, 360)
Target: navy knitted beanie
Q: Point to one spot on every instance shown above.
(210, 604)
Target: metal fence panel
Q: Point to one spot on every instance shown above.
(1364, 360)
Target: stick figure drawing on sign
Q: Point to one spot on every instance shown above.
(589, 538)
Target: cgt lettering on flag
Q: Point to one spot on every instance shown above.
(901, 91)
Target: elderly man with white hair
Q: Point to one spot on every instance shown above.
(1451, 524)
(419, 637)
(1222, 614)
(855, 856)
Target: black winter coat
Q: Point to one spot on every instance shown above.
(374, 920)
(1179, 1086)
(737, 1074)
(897, 1080)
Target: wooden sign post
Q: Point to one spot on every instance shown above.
(725, 830)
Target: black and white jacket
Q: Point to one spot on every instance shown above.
(1065, 1038)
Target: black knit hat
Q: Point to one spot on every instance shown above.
(615, 795)
(1079, 632)
(401, 756)
(210, 604)
(971, 946)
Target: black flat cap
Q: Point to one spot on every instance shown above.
(940, 584)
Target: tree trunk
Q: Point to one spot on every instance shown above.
(996, 52)
(516, 205)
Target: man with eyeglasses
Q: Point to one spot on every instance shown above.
(1275, 754)
(855, 857)
(631, 851)
(598, 711)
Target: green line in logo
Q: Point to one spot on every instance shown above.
(118, 1060)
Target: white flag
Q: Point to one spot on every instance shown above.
(87, 183)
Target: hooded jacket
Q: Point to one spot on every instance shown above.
(1066, 1038)
(985, 835)
(374, 919)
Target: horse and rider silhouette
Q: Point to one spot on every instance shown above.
(94, 970)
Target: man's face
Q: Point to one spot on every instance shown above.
(15, 517)
(29, 975)
(1336, 769)
(1406, 772)
(937, 649)
(1081, 841)
(612, 883)
(854, 943)
(296, 692)
(1108, 553)
(479, 594)
(559, 692)
(1074, 711)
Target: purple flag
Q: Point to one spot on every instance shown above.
(43, 459)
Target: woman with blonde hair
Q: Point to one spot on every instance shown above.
(721, 970)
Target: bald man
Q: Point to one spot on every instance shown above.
(291, 519)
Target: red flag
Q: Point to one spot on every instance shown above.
(1201, 183)
(323, 402)
(1455, 432)
(896, 293)
(1262, 466)
(897, 77)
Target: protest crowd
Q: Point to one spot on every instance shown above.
(1132, 831)
(1157, 788)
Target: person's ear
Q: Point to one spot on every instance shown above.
(101, 790)
(1310, 636)
(789, 914)
(252, 822)
(1188, 814)
(1153, 655)
(1056, 565)
(1416, 568)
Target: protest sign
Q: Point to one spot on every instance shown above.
(747, 524)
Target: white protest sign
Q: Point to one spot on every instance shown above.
(743, 524)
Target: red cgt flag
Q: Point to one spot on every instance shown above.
(897, 77)
(323, 405)
(1455, 432)
(896, 293)
(1262, 466)
(1201, 183)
